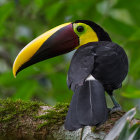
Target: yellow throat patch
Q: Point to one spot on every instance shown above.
(88, 34)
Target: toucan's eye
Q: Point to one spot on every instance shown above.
(80, 28)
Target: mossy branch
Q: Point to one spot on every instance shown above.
(34, 120)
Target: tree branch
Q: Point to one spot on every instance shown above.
(33, 120)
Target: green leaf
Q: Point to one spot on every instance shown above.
(26, 91)
(52, 10)
(135, 36)
(133, 8)
(134, 127)
(137, 134)
(120, 124)
(120, 29)
(122, 15)
(39, 3)
(131, 92)
(134, 135)
(5, 11)
(125, 132)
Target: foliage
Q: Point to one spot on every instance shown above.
(22, 20)
(125, 129)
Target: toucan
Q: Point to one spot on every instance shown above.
(98, 65)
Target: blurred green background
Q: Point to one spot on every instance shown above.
(22, 20)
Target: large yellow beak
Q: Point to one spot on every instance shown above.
(59, 40)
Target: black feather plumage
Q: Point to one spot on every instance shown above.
(107, 62)
(88, 106)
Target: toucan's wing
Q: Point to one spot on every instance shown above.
(105, 60)
(81, 66)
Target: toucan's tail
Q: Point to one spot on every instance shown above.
(88, 106)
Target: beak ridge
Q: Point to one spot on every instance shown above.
(56, 41)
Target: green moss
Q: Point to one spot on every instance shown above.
(23, 116)
(41, 125)
(10, 109)
(55, 116)
(93, 128)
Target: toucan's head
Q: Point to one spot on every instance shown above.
(59, 40)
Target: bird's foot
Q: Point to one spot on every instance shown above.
(115, 109)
